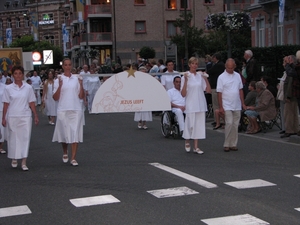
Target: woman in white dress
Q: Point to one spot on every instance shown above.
(91, 86)
(47, 99)
(2, 130)
(18, 98)
(142, 117)
(193, 86)
(68, 91)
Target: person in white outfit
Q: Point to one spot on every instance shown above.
(231, 102)
(68, 91)
(142, 117)
(177, 102)
(18, 98)
(47, 99)
(193, 86)
(91, 86)
(36, 84)
(2, 130)
(167, 80)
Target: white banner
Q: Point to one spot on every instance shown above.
(281, 10)
(8, 36)
(131, 91)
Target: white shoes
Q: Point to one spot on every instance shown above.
(2, 151)
(14, 163)
(187, 147)
(74, 162)
(198, 151)
(24, 168)
(65, 158)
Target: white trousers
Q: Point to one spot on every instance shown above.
(180, 118)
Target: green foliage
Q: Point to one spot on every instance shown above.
(195, 37)
(269, 57)
(28, 44)
(147, 52)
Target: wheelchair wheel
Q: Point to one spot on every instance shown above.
(166, 124)
(176, 132)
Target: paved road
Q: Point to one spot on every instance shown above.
(145, 178)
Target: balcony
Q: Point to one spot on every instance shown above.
(74, 18)
(237, 6)
(68, 46)
(262, 2)
(104, 38)
(67, 4)
(103, 10)
(75, 42)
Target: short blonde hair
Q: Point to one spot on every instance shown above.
(193, 59)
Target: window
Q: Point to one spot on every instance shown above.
(208, 2)
(1, 24)
(49, 38)
(260, 33)
(26, 22)
(8, 23)
(279, 40)
(184, 3)
(171, 29)
(139, 2)
(171, 4)
(47, 16)
(140, 27)
(18, 23)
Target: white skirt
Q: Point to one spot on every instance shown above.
(68, 127)
(18, 136)
(143, 116)
(194, 126)
(2, 130)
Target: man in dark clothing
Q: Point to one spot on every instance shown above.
(252, 69)
(214, 72)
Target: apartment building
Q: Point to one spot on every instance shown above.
(93, 29)
(266, 28)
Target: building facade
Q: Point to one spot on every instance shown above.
(40, 18)
(266, 30)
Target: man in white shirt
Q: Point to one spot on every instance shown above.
(36, 84)
(177, 102)
(231, 101)
(167, 80)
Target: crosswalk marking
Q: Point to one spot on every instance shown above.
(250, 184)
(172, 192)
(245, 219)
(95, 200)
(298, 209)
(298, 175)
(14, 211)
(183, 175)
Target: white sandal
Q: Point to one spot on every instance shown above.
(74, 162)
(198, 151)
(2, 151)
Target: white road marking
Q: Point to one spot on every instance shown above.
(298, 175)
(95, 200)
(250, 184)
(245, 219)
(183, 175)
(172, 192)
(14, 211)
(298, 209)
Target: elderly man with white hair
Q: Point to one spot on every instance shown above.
(252, 70)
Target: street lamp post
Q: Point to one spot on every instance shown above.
(186, 53)
(228, 33)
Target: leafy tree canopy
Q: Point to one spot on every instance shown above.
(147, 52)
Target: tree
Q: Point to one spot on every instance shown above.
(147, 52)
(28, 44)
(196, 40)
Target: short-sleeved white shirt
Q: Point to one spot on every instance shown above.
(195, 100)
(36, 82)
(69, 99)
(18, 99)
(167, 80)
(230, 85)
(176, 97)
(2, 87)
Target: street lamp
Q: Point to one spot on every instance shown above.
(228, 32)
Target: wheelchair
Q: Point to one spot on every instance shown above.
(169, 125)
